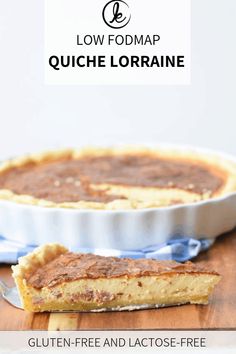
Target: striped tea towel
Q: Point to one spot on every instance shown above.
(180, 250)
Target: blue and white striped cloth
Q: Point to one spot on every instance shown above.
(180, 250)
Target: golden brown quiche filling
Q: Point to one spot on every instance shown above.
(72, 180)
(73, 266)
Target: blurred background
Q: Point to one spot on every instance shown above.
(35, 117)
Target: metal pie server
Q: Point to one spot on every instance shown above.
(10, 295)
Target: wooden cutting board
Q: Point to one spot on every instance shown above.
(220, 313)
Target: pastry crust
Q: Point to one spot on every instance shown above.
(29, 264)
(36, 259)
(135, 197)
(53, 279)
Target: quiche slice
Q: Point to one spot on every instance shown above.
(53, 279)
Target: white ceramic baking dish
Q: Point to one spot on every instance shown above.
(119, 229)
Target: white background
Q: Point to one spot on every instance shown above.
(34, 116)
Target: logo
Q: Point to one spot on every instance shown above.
(116, 14)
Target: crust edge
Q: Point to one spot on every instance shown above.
(27, 264)
(37, 258)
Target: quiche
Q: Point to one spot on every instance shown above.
(53, 279)
(116, 178)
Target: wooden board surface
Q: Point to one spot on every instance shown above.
(220, 313)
